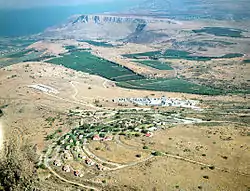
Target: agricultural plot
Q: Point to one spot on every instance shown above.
(156, 64)
(246, 61)
(20, 54)
(23, 56)
(171, 85)
(221, 31)
(178, 54)
(86, 62)
(203, 43)
(10, 46)
(96, 43)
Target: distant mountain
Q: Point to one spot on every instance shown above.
(109, 27)
(195, 9)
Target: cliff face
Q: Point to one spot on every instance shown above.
(109, 27)
(98, 19)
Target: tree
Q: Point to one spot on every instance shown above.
(157, 153)
(145, 147)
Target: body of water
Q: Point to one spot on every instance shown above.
(22, 22)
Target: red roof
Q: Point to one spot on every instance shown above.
(77, 173)
(149, 134)
(96, 137)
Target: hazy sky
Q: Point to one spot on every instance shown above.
(38, 3)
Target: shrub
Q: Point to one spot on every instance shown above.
(138, 155)
(42, 166)
(205, 177)
(157, 153)
(137, 135)
(211, 167)
(145, 147)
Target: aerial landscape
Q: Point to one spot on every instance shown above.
(116, 95)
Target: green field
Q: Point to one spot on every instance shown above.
(220, 31)
(178, 54)
(246, 61)
(171, 85)
(138, 55)
(86, 62)
(232, 55)
(22, 56)
(19, 54)
(156, 64)
(203, 43)
(97, 43)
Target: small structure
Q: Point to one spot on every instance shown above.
(85, 141)
(89, 162)
(71, 141)
(78, 173)
(149, 134)
(99, 167)
(81, 156)
(97, 138)
(66, 168)
(108, 138)
(67, 137)
(76, 149)
(67, 147)
(67, 156)
(80, 137)
(152, 129)
(57, 163)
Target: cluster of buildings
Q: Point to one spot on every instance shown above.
(44, 88)
(159, 102)
(67, 168)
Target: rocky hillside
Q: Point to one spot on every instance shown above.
(110, 27)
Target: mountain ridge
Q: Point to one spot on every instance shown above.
(109, 27)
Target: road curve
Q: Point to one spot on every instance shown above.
(70, 182)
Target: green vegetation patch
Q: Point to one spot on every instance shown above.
(220, 31)
(156, 64)
(70, 47)
(96, 43)
(144, 54)
(178, 54)
(246, 61)
(20, 54)
(232, 55)
(171, 85)
(86, 62)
